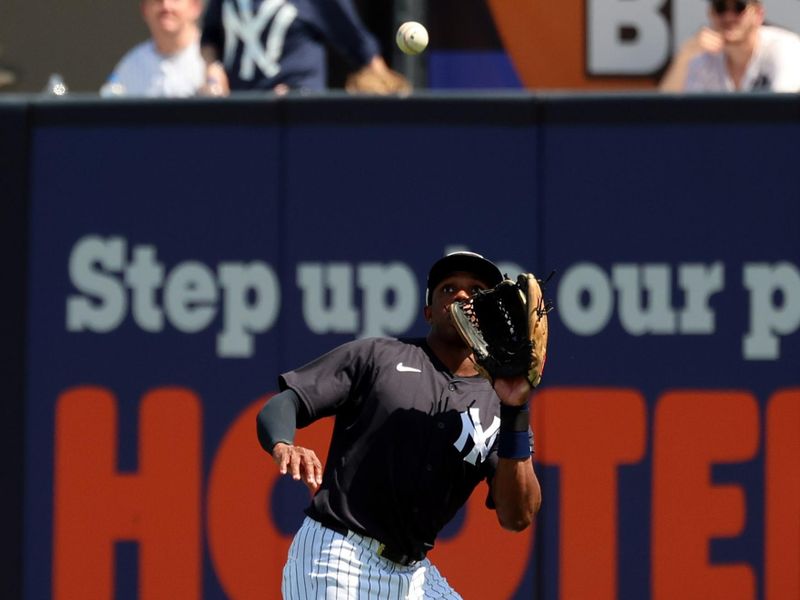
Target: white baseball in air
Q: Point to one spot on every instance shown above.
(412, 37)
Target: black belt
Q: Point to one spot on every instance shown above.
(383, 550)
(397, 556)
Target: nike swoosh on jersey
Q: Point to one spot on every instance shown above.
(404, 369)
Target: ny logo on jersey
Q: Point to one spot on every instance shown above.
(242, 25)
(482, 440)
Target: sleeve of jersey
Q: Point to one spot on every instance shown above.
(326, 384)
(342, 27)
(213, 34)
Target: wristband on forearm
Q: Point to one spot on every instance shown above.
(514, 439)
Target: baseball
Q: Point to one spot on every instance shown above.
(412, 37)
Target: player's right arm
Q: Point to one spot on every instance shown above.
(318, 389)
(276, 424)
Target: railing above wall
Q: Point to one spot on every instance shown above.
(445, 107)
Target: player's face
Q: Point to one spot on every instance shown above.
(453, 288)
(736, 20)
(170, 16)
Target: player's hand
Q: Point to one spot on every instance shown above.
(513, 391)
(301, 463)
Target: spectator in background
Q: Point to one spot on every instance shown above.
(736, 53)
(169, 64)
(282, 45)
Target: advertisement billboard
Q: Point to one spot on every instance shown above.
(178, 265)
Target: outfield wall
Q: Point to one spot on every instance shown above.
(168, 260)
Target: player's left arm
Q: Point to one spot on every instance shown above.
(515, 488)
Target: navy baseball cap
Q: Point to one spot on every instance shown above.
(468, 262)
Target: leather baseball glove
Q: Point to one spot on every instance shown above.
(506, 327)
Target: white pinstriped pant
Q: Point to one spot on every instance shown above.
(326, 565)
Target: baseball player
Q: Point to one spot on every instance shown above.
(416, 430)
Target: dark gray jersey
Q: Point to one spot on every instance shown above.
(410, 440)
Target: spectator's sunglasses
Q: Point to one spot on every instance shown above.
(721, 6)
